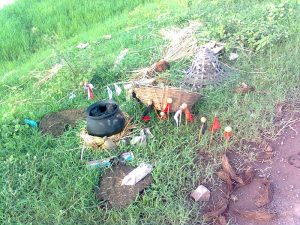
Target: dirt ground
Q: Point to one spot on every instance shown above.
(283, 173)
(272, 194)
(58, 122)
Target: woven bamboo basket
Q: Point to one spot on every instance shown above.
(159, 95)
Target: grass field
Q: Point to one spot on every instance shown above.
(42, 179)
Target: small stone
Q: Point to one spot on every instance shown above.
(201, 194)
(234, 198)
(82, 45)
(109, 144)
(233, 56)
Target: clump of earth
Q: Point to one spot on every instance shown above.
(116, 195)
(57, 123)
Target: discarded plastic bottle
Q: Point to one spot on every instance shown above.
(137, 174)
(99, 163)
(31, 123)
(126, 156)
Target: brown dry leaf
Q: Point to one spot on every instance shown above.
(245, 88)
(256, 214)
(226, 178)
(249, 175)
(218, 209)
(222, 220)
(228, 168)
(265, 194)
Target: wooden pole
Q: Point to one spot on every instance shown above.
(180, 117)
(200, 133)
(226, 144)
(203, 121)
(168, 112)
(211, 139)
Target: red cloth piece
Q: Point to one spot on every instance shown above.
(90, 92)
(167, 108)
(188, 115)
(215, 125)
(146, 118)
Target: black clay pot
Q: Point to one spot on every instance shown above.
(104, 118)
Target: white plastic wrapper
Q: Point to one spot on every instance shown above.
(117, 89)
(137, 174)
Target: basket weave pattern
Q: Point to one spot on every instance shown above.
(159, 95)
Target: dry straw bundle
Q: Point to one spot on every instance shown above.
(182, 44)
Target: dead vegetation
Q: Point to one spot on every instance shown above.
(261, 215)
(265, 194)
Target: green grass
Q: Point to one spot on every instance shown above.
(25, 28)
(42, 179)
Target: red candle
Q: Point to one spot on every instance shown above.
(228, 133)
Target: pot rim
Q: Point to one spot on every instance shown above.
(98, 103)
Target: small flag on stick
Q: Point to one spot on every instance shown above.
(203, 127)
(88, 88)
(214, 127)
(145, 117)
(110, 93)
(168, 107)
(227, 135)
(187, 113)
(177, 117)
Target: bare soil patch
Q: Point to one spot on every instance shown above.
(58, 122)
(274, 195)
(266, 190)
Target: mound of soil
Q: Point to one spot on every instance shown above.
(57, 123)
(111, 190)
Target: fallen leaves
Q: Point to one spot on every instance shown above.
(226, 178)
(265, 194)
(261, 215)
(218, 209)
(249, 175)
(228, 169)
